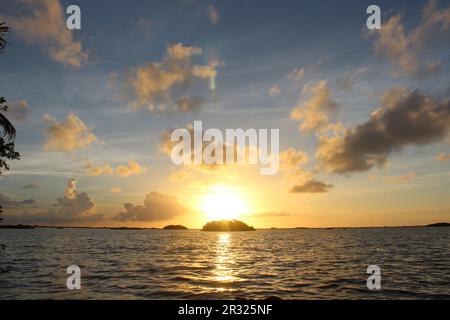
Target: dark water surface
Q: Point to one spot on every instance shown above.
(163, 264)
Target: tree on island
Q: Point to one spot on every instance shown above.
(175, 227)
(227, 225)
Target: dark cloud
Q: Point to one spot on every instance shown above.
(405, 118)
(73, 206)
(157, 207)
(30, 186)
(6, 202)
(312, 186)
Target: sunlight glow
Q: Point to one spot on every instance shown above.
(223, 202)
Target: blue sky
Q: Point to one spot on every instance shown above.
(256, 45)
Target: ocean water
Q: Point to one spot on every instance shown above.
(163, 264)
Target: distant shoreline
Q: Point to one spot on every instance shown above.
(27, 227)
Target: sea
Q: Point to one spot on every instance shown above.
(409, 263)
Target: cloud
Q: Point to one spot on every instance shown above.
(19, 110)
(166, 144)
(405, 118)
(46, 27)
(402, 178)
(30, 186)
(71, 189)
(133, 168)
(410, 52)
(164, 86)
(208, 72)
(346, 83)
(157, 207)
(116, 190)
(73, 206)
(94, 169)
(297, 74)
(189, 104)
(292, 159)
(181, 175)
(67, 136)
(313, 113)
(443, 156)
(274, 91)
(204, 170)
(213, 15)
(312, 186)
(8, 203)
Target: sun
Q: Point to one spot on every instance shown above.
(223, 203)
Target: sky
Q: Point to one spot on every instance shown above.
(364, 115)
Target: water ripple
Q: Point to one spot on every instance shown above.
(287, 264)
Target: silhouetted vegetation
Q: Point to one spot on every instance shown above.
(439, 224)
(17, 226)
(227, 225)
(3, 31)
(7, 151)
(126, 228)
(175, 227)
(8, 133)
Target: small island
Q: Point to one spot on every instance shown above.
(439, 224)
(17, 226)
(175, 227)
(227, 225)
(126, 228)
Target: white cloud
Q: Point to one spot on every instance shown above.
(46, 27)
(274, 91)
(313, 113)
(401, 178)
(164, 86)
(410, 52)
(69, 135)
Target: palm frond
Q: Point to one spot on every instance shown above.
(8, 129)
(3, 31)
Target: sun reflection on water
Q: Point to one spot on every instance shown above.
(224, 262)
